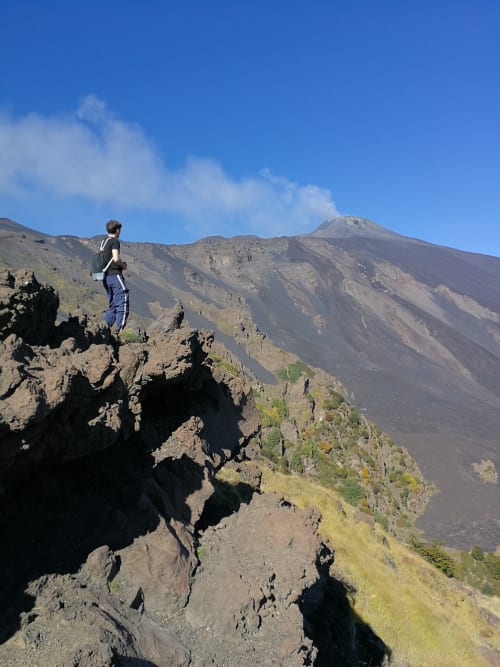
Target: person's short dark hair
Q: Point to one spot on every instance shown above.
(113, 226)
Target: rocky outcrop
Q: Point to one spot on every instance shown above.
(77, 623)
(27, 309)
(71, 391)
(108, 454)
(275, 557)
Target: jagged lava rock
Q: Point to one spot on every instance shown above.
(119, 444)
(273, 556)
(27, 308)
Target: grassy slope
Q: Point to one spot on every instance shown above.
(482, 573)
(426, 619)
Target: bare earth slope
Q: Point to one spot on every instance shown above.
(411, 329)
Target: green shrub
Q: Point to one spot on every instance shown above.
(224, 364)
(336, 398)
(129, 336)
(382, 520)
(352, 491)
(283, 374)
(334, 401)
(294, 372)
(268, 420)
(328, 473)
(271, 446)
(274, 438)
(492, 562)
(296, 461)
(280, 406)
(307, 448)
(477, 553)
(355, 417)
(436, 555)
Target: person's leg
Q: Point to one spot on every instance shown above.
(110, 315)
(121, 302)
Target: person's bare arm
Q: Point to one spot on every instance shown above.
(117, 259)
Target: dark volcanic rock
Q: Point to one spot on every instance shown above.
(26, 308)
(63, 402)
(79, 623)
(106, 454)
(169, 321)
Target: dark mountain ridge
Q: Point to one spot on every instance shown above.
(411, 329)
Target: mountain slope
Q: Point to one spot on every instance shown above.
(349, 226)
(411, 329)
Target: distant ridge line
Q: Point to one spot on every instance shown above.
(349, 226)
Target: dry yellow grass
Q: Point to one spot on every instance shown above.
(427, 619)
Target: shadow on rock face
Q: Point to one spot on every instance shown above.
(53, 522)
(226, 500)
(340, 635)
(138, 498)
(263, 592)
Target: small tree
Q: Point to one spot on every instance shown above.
(477, 553)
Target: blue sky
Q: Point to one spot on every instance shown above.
(192, 119)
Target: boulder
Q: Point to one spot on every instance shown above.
(273, 556)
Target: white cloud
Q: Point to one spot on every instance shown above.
(92, 154)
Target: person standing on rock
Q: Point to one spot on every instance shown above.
(114, 282)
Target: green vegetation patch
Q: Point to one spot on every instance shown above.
(129, 336)
(343, 451)
(352, 491)
(224, 364)
(434, 553)
(292, 372)
(480, 570)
